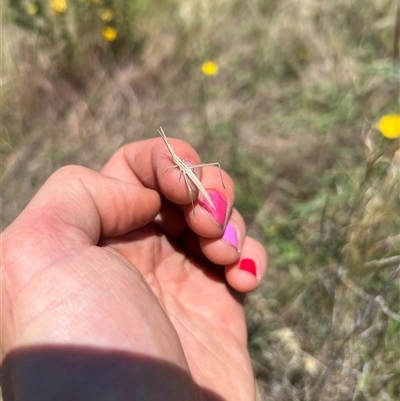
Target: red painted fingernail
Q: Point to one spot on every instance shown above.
(220, 203)
(249, 266)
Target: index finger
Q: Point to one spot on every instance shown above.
(151, 164)
(146, 162)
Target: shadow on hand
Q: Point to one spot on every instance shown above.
(66, 373)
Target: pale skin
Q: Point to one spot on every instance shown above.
(113, 290)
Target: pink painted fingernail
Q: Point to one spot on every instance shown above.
(230, 235)
(220, 203)
(249, 266)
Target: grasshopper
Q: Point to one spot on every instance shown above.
(188, 172)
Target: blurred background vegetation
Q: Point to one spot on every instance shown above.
(289, 97)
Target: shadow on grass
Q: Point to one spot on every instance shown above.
(66, 373)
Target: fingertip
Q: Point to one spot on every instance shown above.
(226, 247)
(246, 274)
(242, 276)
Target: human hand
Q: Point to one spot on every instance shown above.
(112, 291)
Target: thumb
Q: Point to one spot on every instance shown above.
(89, 203)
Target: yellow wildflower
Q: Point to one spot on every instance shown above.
(389, 125)
(209, 68)
(106, 15)
(109, 33)
(274, 229)
(59, 6)
(32, 8)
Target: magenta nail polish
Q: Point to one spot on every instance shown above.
(220, 203)
(249, 266)
(230, 235)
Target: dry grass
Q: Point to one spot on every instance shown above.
(291, 117)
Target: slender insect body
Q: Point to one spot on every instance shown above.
(188, 172)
